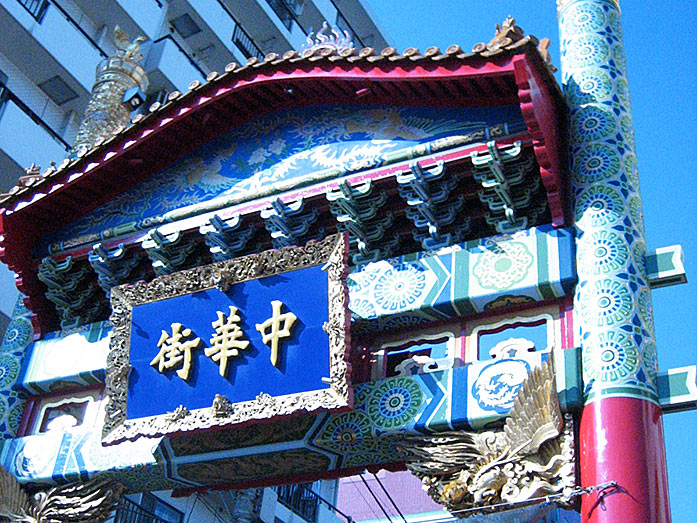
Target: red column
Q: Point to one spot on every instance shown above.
(621, 440)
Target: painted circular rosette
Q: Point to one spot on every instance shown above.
(612, 302)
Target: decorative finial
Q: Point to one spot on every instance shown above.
(506, 34)
(337, 41)
(124, 46)
(33, 170)
(543, 48)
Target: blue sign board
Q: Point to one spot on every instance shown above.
(238, 341)
(303, 356)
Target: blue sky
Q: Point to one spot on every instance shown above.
(662, 80)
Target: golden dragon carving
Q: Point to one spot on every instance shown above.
(82, 502)
(531, 455)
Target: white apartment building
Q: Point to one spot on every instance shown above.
(49, 50)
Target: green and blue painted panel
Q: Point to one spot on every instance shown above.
(478, 276)
(17, 336)
(77, 454)
(464, 398)
(467, 397)
(68, 361)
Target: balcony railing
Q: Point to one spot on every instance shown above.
(7, 95)
(130, 512)
(300, 499)
(245, 44)
(36, 8)
(241, 38)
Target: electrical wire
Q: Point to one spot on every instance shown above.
(211, 509)
(375, 498)
(389, 497)
(367, 503)
(192, 507)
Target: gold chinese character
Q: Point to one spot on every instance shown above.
(271, 330)
(226, 340)
(173, 351)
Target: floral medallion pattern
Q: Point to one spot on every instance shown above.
(394, 403)
(347, 432)
(593, 123)
(399, 287)
(18, 334)
(598, 206)
(9, 370)
(609, 357)
(503, 266)
(590, 50)
(587, 18)
(605, 302)
(591, 84)
(597, 162)
(612, 297)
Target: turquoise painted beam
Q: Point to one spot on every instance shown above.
(75, 360)
(664, 267)
(383, 410)
(677, 389)
(469, 278)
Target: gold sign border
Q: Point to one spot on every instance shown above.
(332, 253)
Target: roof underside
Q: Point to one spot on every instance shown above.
(188, 121)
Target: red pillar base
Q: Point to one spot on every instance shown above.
(621, 440)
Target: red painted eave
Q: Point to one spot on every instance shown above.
(190, 120)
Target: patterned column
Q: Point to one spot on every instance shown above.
(106, 111)
(621, 434)
(17, 336)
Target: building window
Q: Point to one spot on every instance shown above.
(185, 26)
(58, 90)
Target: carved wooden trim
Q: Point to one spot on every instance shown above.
(331, 252)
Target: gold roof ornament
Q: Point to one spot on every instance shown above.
(107, 111)
(506, 34)
(124, 46)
